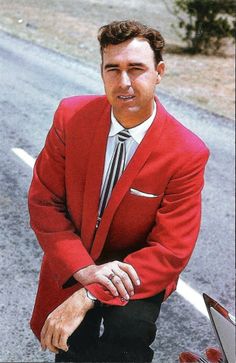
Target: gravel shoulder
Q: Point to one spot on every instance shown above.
(70, 28)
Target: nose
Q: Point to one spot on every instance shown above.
(125, 81)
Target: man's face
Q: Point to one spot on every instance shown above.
(130, 76)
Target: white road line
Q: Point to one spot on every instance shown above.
(183, 289)
(192, 296)
(23, 155)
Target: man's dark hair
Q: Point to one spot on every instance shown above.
(119, 31)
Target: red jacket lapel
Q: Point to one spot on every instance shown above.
(94, 177)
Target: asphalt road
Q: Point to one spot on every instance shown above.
(33, 81)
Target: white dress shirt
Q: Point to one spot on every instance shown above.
(137, 134)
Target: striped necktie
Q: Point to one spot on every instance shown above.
(115, 170)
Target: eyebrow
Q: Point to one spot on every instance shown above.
(136, 64)
(111, 65)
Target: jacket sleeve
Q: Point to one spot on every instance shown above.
(170, 243)
(47, 206)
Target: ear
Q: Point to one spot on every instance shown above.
(160, 70)
(101, 70)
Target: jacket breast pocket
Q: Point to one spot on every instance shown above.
(142, 194)
(134, 220)
(139, 210)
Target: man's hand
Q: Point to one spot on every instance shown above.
(63, 321)
(118, 277)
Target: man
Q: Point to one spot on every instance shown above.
(115, 204)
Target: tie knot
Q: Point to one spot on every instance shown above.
(123, 135)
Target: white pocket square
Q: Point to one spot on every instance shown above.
(142, 194)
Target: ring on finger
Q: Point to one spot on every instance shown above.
(111, 276)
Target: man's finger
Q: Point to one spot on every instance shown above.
(48, 338)
(127, 282)
(56, 338)
(63, 341)
(105, 281)
(53, 349)
(120, 287)
(43, 334)
(131, 272)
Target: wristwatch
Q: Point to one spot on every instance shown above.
(93, 298)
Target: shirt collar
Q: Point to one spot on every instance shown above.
(137, 132)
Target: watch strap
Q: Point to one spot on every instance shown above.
(93, 298)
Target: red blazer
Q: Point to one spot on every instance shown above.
(155, 235)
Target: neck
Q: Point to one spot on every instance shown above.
(129, 124)
(133, 120)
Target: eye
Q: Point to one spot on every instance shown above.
(112, 70)
(136, 70)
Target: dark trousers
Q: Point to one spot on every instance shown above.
(127, 335)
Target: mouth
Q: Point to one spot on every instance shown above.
(126, 97)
